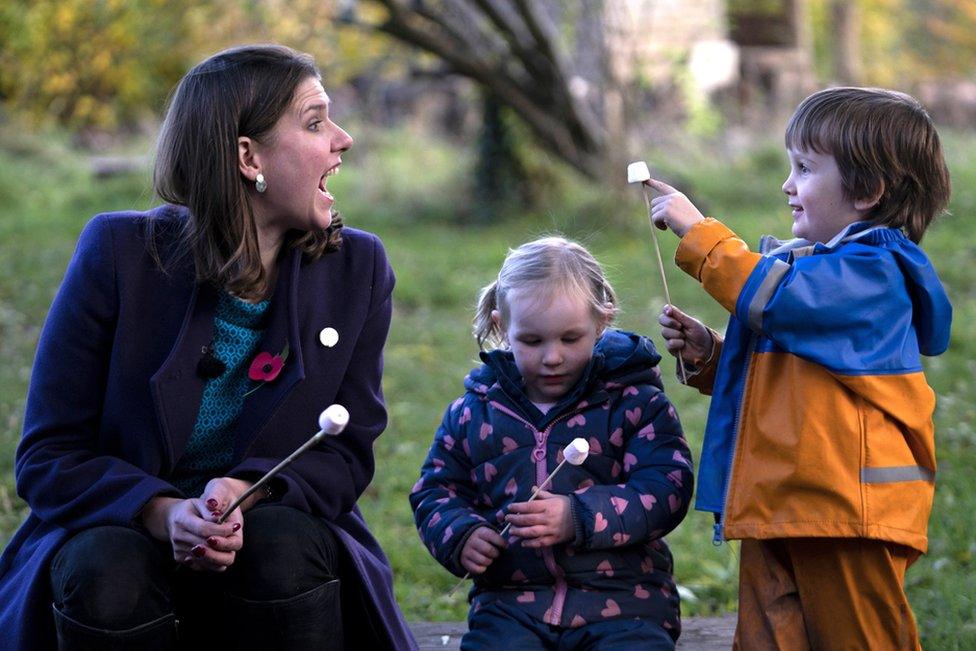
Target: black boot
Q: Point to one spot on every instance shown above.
(159, 634)
(311, 620)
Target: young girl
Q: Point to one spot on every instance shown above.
(585, 562)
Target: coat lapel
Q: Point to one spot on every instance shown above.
(176, 388)
(282, 328)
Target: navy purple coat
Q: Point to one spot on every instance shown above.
(114, 395)
(494, 445)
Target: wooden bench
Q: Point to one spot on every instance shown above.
(697, 634)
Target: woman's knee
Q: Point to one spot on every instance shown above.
(110, 577)
(286, 552)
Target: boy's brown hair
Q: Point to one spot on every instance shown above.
(883, 141)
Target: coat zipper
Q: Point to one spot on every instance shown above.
(718, 537)
(539, 455)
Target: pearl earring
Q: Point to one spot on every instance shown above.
(260, 184)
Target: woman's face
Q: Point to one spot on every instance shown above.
(297, 159)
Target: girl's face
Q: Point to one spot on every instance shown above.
(552, 339)
(303, 151)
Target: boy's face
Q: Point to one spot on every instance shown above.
(816, 194)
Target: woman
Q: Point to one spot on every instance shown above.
(190, 349)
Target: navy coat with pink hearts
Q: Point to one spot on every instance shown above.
(114, 396)
(493, 445)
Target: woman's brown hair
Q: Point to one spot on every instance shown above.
(240, 92)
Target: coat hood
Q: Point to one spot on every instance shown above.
(619, 357)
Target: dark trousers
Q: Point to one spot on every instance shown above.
(502, 627)
(118, 588)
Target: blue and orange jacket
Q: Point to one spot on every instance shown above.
(634, 487)
(821, 418)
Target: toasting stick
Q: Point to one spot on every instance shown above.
(575, 454)
(637, 172)
(331, 423)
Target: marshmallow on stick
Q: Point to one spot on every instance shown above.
(331, 423)
(637, 172)
(575, 454)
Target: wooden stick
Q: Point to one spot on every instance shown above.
(508, 525)
(660, 266)
(321, 434)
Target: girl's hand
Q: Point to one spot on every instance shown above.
(672, 209)
(545, 521)
(480, 549)
(191, 528)
(686, 337)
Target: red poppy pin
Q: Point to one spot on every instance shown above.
(265, 367)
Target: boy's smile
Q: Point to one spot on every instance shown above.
(815, 192)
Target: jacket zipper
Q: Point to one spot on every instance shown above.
(718, 537)
(539, 455)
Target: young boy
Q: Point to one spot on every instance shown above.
(819, 451)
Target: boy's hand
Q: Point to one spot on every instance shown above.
(686, 337)
(480, 549)
(543, 522)
(672, 209)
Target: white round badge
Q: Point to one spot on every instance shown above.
(329, 337)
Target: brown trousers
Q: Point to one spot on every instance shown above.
(824, 593)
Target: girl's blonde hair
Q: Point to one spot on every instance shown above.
(548, 264)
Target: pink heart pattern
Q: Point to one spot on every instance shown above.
(617, 438)
(509, 445)
(648, 501)
(619, 504)
(601, 523)
(674, 503)
(485, 431)
(612, 609)
(629, 461)
(511, 487)
(595, 447)
(490, 472)
(633, 415)
(577, 621)
(579, 420)
(605, 568)
(641, 593)
(465, 416)
(620, 539)
(630, 391)
(525, 598)
(647, 432)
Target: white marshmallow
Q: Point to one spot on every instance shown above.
(638, 172)
(333, 420)
(577, 451)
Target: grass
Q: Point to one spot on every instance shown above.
(420, 211)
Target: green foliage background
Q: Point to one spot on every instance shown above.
(47, 194)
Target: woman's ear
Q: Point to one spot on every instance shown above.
(247, 158)
(871, 200)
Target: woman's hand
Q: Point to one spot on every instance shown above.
(193, 533)
(672, 209)
(543, 522)
(686, 337)
(480, 549)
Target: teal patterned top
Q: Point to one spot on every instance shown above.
(237, 331)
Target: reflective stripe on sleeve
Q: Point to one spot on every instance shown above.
(765, 292)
